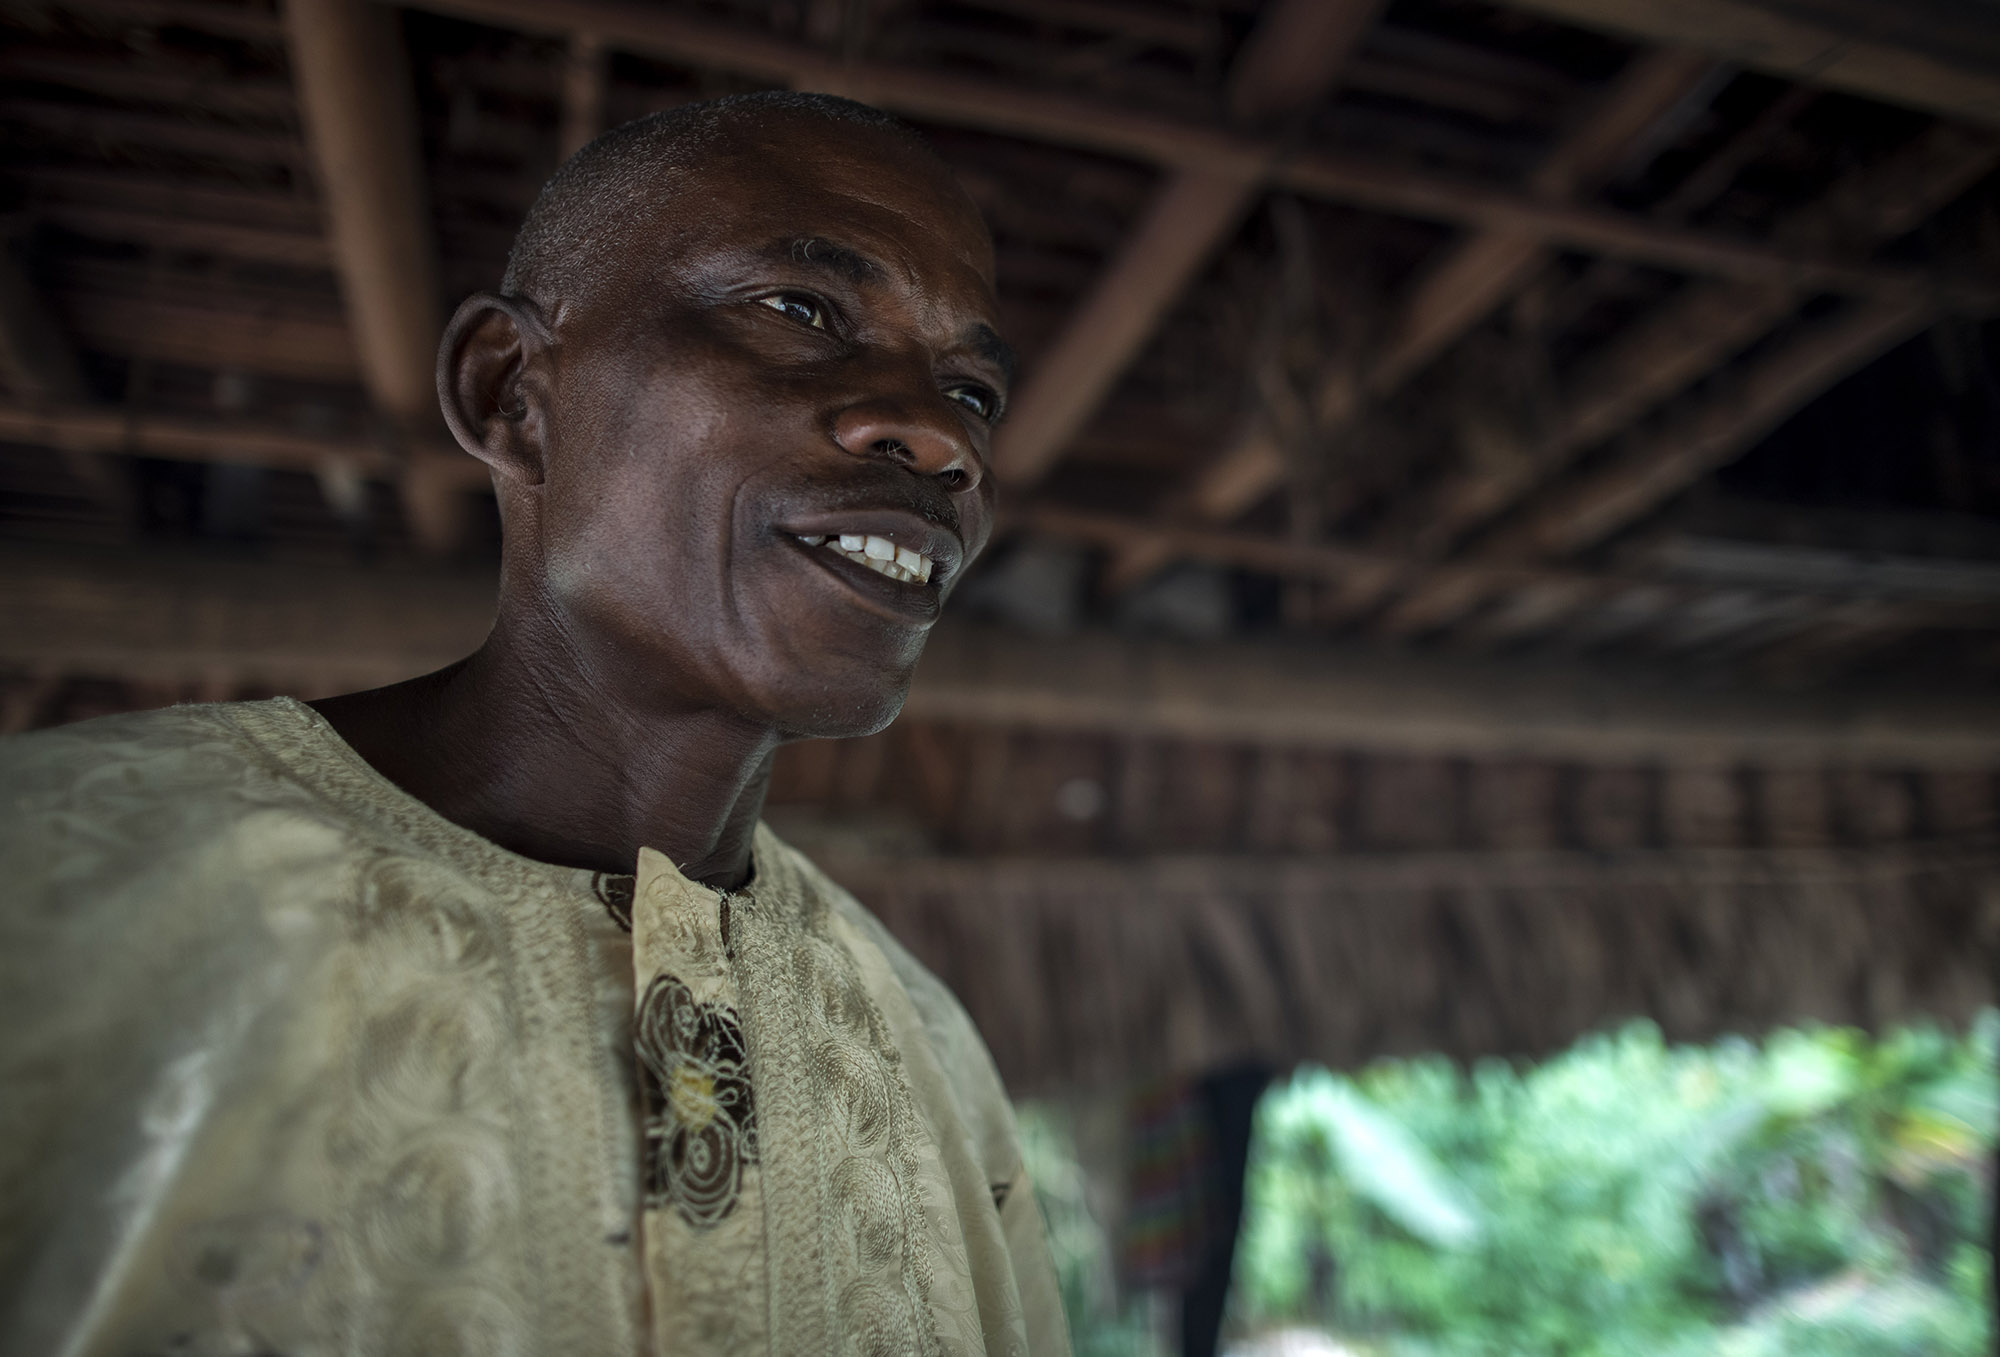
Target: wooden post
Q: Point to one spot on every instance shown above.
(1933, 57)
(585, 72)
(356, 100)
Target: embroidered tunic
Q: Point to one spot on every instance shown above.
(291, 1064)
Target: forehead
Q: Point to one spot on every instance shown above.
(788, 176)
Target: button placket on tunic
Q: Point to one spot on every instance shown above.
(703, 1219)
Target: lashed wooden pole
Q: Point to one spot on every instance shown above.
(355, 97)
(1459, 291)
(1290, 60)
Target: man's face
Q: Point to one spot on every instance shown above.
(794, 372)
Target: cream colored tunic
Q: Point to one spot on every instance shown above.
(291, 1065)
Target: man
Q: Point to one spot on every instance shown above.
(478, 1014)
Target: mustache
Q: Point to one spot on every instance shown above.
(868, 490)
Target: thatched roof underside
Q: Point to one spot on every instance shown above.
(1087, 972)
(1116, 907)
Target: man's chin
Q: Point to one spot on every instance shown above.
(834, 686)
(836, 697)
(843, 717)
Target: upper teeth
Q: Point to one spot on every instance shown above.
(879, 554)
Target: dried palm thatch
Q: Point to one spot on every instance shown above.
(1087, 970)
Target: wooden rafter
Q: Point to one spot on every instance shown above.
(584, 78)
(1453, 587)
(1458, 292)
(1690, 337)
(1093, 125)
(189, 439)
(1940, 57)
(1750, 403)
(358, 106)
(1287, 63)
(1708, 323)
(1481, 272)
(215, 335)
(1754, 402)
(1194, 211)
(192, 235)
(144, 617)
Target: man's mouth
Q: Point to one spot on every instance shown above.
(879, 554)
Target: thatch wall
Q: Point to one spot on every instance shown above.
(1092, 970)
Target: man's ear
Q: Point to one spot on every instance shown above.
(492, 380)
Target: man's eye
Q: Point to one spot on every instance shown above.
(804, 310)
(976, 399)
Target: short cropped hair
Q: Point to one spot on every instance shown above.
(580, 208)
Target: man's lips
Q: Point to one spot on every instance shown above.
(901, 600)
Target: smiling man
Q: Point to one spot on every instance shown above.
(479, 1014)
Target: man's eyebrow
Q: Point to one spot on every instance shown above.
(985, 341)
(820, 253)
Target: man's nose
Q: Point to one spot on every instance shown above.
(927, 436)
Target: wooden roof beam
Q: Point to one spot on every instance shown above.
(146, 131)
(144, 617)
(1458, 292)
(1713, 433)
(1691, 336)
(1707, 324)
(1927, 54)
(1939, 601)
(586, 76)
(1287, 63)
(185, 438)
(1334, 697)
(1659, 467)
(1092, 125)
(1193, 212)
(190, 235)
(240, 22)
(172, 330)
(356, 99)
(1476, 276)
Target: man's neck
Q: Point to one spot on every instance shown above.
(511, 745)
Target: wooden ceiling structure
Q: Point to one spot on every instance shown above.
(1558, 439)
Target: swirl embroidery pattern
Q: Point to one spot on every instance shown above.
(700, 1124)
(614, 891)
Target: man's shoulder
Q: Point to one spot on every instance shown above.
(123, 799)
(135, 842)
(178, 751)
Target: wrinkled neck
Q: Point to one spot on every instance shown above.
(522, 744)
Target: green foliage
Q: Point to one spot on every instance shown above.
(1099, 1324)
(1818, 1194)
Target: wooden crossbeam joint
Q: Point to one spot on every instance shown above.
(1286, 64)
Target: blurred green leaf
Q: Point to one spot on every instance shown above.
(1378, 1158)
(1819, 1192)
